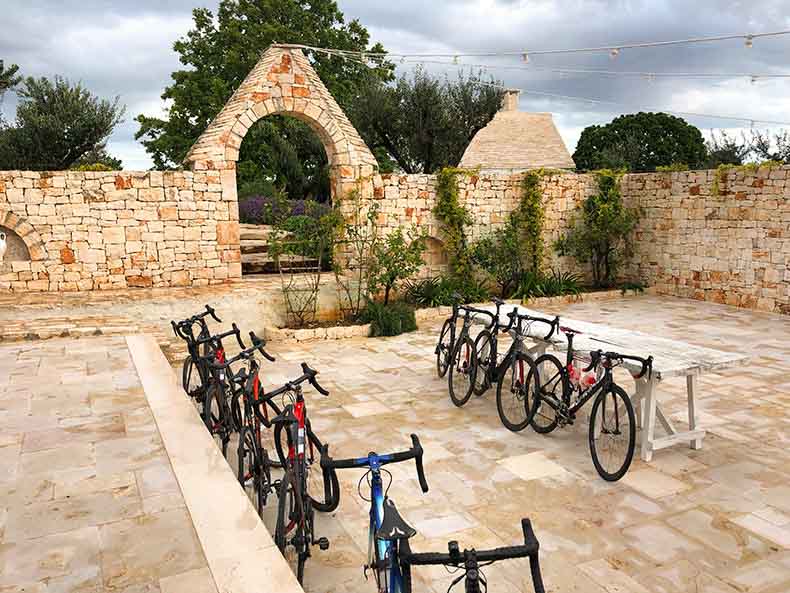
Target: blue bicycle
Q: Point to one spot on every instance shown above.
(383, 557)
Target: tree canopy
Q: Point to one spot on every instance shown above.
(423, 123)
(220, 51)
(640, 142)
(8, 77)
(57, 124)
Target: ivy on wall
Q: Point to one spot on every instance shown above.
(454, 219)
(529, 217)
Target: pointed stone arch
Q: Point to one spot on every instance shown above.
(21, 228)
(284, 82)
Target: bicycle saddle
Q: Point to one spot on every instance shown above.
(569, 330)
(497, 301)
(393, 527)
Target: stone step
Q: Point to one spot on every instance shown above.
(250, 246)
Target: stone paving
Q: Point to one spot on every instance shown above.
(89, 502)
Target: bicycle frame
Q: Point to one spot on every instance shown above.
(386, 549)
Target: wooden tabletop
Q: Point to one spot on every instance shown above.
(671, 358)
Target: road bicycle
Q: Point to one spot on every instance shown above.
(447, 337)
(395, 532)
(564, 389)
(254, 465)
(194, 375)
(458, 351)
(382, 553)
(293, 532)
(515, 375)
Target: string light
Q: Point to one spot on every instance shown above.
(455, 59)
(525, 58)
(749, 42)
(614, 52)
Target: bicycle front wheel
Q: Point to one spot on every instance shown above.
(461, 372)
(483, 362)
(443, 348)
(289, 530)
(515, 392)
(190, 378)
(251, 469)
(612, 433)
(214, 417)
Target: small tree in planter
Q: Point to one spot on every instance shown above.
(497, 254)
(396, 258)
(601, 233)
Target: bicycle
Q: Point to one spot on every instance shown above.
(293, 532)
(381, 553)
(461, 348)
(446, 343)
(396, 532)
(191, 368)
(254, 465)
(564, 389)
(513, 403)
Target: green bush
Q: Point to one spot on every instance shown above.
(439, 291)
(389, 320)
(555, 284)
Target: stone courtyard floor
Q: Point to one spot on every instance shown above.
(88, 501)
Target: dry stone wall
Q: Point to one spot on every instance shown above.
(725, 240)
(93, 231)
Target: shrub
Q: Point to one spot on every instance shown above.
(601, 234)
(497, 254)
(439, 291)
(389, 320)
(398, 257)
(556, 283)
(275, 209)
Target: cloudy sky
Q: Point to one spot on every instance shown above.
(119, 47)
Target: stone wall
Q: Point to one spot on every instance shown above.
(730, 245)
(93, 231)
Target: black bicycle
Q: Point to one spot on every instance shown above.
(564, 389)
(293, 532)
(470, 561)
(194, 374)
(515, 375)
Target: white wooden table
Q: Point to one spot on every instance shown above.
(671, 358)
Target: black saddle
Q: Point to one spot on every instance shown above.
(497, 301)
(393, 527)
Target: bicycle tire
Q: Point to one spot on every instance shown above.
(463, 393)
(191, 379)
(443, 348)
(483, 362)
(250, 468)
(286, 521)
(329, 501)
(235, 412)
(551, 377)
(600, 403)
(214, 417)
(509, 409)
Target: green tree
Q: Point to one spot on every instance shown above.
(394, 259)
(8, 77)
(640, 142)
(57, 123)
(775, 149)
(601, 234)
(497, 254)
(726, 150)
(423, 123)
(98, 159)
(220, 51)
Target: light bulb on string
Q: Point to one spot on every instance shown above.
(753, 79)
(525, 58)
(749, 43)
(455, 60)
(614, 52)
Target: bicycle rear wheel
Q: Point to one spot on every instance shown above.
(551, 387)
(289, 532)
(190, 378)
(461, 372)
(515, 392)
(612, 433)
(443, 348)
(483, 361)
(253, 469)
(324, 487)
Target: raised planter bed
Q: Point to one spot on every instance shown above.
(335, 332)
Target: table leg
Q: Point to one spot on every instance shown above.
(649, 420)
(691, 388)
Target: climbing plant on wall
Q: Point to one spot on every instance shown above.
(454, 219)
(528, 220)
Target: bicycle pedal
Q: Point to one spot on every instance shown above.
(323, 543)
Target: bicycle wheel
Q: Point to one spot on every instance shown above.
(552, 385)
(515, 392)
(190, 378)
(443, 348)
(289, 529)
(214, 417)
(461, 372)
(612, 433)
(235, 411)
(483, 362)
(323, 487)
(251, 469)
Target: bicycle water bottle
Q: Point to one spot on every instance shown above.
(574, 374)
(587, 381)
